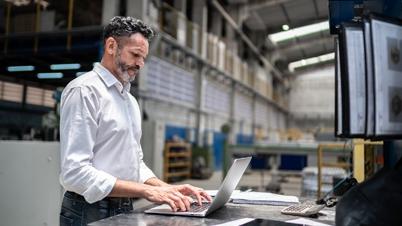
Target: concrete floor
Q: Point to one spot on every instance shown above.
(289, 183)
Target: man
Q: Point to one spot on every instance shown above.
(100, 127)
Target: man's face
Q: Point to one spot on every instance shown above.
(130, 56)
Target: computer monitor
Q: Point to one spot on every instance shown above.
(387, 73)
(351, 44)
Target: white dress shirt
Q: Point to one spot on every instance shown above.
(100, 132)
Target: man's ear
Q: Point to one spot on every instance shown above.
(110, 45)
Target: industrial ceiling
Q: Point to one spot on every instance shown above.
(266, 17)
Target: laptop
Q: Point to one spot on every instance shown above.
(222, 197)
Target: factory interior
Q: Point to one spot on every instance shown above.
(297, 85)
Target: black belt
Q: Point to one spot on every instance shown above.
(115, 202)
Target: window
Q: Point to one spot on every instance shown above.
(38, 96)
(34, 96)
(11, 92)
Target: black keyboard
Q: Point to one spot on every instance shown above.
(194, 207)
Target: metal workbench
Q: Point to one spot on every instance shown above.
(227, 213)
(287, 148)
(295, 148)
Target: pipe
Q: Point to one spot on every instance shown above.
(8, 14)
(37, 24)
(70, 23)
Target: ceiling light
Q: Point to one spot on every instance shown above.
(285, 27)
(65, 66)
(20, 68)
(311, 61)
(298, 32)
(50, 75)
(19, 2)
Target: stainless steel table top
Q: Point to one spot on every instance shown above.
(227, 213)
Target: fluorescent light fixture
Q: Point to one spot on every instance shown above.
(80, 73)
(65, 66)
(298, 32)
(20, 68)
(285, 27)
(310, 61)
(50, 75)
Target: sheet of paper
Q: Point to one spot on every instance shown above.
(213, 192)
(264, 196)
(236, 222)
(305, 221)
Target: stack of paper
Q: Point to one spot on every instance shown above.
(264, 198)
(214, 192)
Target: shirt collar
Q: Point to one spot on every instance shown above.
(109, 79)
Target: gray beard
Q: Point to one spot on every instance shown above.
(122, 73)
(126, 77)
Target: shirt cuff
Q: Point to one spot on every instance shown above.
(101, 189)
(145, 173)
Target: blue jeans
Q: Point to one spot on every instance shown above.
(75, 211)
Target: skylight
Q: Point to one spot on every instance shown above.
(311, 61)
(50, 75)
(299, 32)
(65, 66)
(20, 68)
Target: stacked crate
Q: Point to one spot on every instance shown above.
(221, 55)
(229, 62)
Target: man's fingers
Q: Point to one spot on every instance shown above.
(178, 201)
(184, 200)
(206, 196)
(171, 204)
(191, 200)
(196, 193)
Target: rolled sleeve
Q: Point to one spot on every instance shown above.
(145, 172)
(78, 129)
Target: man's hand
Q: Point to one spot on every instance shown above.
(157, 191)
(184, 189)
(169, 195)
(189, 190)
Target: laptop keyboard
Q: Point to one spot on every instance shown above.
(194, 207)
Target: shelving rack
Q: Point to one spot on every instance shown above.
(177, 161)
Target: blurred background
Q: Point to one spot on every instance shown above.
(223, 79)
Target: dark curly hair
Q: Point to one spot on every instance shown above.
(126, 26)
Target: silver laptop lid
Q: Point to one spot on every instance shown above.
(229, 183)
(225, 191)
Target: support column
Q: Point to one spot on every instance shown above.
(232, 37)
(180, 5)
(110, 8)
(231, 42)
(200, 17)
(253, 120)
(200, 120)
(232, 120)
(137, 9)
(217, 24)
(231, 137)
